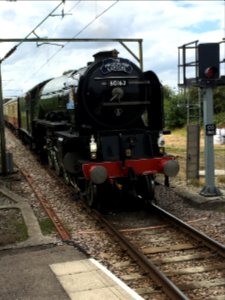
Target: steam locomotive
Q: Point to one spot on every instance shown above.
(100, 127)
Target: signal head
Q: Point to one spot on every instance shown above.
(211, 72)
(208, 62)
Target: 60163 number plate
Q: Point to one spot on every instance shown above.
(117, 83)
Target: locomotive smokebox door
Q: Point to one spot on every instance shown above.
(112, 94)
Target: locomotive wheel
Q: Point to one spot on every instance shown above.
(66, 177)
(50, 160)
(57, 167)
(91, 194)
(147, 188)
(150, 185)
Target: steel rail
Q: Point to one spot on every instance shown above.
(63, 233)
(196, 234)
(150, 269)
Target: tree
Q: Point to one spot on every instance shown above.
(175, 108)
(219, 99)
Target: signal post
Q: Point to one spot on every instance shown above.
(209, 131)
(207, 77)
(209, 73)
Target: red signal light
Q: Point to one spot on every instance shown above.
(211, 72)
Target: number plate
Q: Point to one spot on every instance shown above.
(117, 83)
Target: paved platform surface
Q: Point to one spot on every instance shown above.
(88, 279)
(25, 274)
(41, 269)
(57, 273)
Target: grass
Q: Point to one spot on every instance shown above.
(47, 227)
(176, 144)
(12, 227)
(22, 229)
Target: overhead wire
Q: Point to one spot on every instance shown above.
(32, 32)
(67, 13)
(14, 48)
(76, 35)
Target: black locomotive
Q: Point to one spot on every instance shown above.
(100, 127)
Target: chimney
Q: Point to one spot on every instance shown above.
(105, 54)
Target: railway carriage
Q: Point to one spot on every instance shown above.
(11, 114)
(100, 127)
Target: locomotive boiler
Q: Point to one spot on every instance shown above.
(101, 128)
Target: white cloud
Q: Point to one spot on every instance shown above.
(163, 26)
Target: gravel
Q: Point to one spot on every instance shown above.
(86, 231)
(204, 217)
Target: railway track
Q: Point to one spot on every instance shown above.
(185, 263)
(192, 269)
(180, 262)
(63, 233)
(159, 250)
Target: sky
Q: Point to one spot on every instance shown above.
(163, 25)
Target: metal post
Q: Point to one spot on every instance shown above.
(209, 190)
(2, 130)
